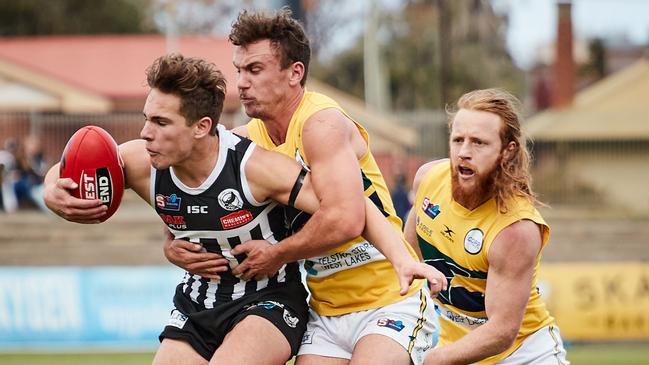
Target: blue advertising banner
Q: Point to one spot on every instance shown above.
(68, 307)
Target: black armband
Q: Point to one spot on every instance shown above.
(297, 186)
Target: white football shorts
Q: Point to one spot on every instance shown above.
(543, 347)
(411, 322)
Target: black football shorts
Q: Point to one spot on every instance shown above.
(284, 306)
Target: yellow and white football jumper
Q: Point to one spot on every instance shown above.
(456, 241)
(355, 276)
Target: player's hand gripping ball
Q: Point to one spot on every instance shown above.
(91, 159)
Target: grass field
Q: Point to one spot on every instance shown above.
(637, 354)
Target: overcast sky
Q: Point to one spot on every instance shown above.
(533, 23)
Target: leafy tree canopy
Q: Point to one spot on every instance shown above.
(38, 17)
(415, 46)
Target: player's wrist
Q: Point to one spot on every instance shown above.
(401, 262)
(278, 252)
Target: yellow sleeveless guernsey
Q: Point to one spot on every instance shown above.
(456, 241)
(355, 276)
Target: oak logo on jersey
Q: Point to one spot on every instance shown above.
(390, 323)
(236, 219)
(230, 199)
(171, 202)
(174, 221)
(431, 209)
(473, 241)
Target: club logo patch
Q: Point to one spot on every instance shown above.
(230, 199)
(290, 319)
(431, 209)
(391, 324)
(473, 241)
(171, 202)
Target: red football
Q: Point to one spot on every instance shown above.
(90, 159)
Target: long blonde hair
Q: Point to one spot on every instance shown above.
(513, 177)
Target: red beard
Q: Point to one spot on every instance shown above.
(473, 196)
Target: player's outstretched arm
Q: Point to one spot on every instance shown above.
(387, 239)
(512, 258)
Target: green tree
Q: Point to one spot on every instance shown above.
(430, 64)
(39, 17)
(596, 67)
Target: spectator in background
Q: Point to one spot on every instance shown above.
(30, 168)
(401, 197)
(7, 176)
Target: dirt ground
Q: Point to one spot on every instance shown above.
(133, 236)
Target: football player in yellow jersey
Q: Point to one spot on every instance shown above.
(357, 313)
(474, 219)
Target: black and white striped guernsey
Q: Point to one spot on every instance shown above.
(220, 214)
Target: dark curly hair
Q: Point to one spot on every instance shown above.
(286, 35)
(200, 86)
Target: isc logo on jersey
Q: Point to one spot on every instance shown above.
(96, 184)
(197, 209)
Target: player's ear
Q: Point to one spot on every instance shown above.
(297, 73)
(202, 127)
(510, 150)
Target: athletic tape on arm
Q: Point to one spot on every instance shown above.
(297, 186)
